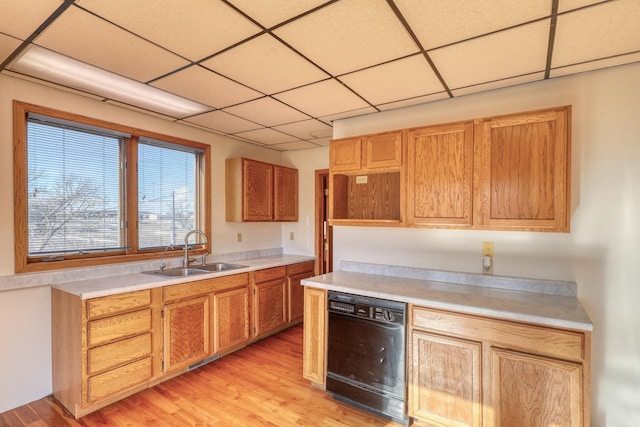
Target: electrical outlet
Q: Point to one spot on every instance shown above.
(239, 237)
(291, 235)
(487, 257)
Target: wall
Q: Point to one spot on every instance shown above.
(600, 254)
(307, 162)
(25, 352)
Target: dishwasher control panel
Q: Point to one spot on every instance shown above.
(369, 308)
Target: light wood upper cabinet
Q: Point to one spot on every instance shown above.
(285, 194)
(507, 172)
(524, 176)
(366, 180)
(378, 151)
(440, 175)
(259, 191)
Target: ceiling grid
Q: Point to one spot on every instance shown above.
(277, 73)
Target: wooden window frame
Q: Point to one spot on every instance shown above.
(23, 263)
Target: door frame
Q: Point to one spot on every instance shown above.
(324, 260)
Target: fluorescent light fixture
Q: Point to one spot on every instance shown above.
(56, 68)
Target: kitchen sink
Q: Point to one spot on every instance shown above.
(220, 266)
(178, 272)
(194, 271)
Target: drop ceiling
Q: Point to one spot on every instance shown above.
(277, 73)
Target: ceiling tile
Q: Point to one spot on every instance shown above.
(266, 136)
(499, 84)
(413, 101)
(278, 10)
(501, 55)
(140, 110)
(267, 112)
(346, 114)
(438, 23)
(286, 69)
(596, 65)
(349, 35)
(22, 21)
(320, 99)
(223, 122)
(565, 5)
(297, 145)
(194, 29)
(323, 142)
(597, 32)
(207, 87)
(82, 36)
(306, 129)
(7, 46)
(396, 80)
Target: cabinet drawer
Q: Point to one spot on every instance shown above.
(120, 379)
(112, 328)
(113, 304)
(534, 339)
(303, 267)
(118, 353)
(270, 274)
(202, 287)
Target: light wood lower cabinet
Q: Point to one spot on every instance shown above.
(270, 294)
(186, 333)
(445, 379)
(314, 335)
(296, 273)
(231, 319)
(107, 348)
(531, 391)
(474, 371)
(103, 348)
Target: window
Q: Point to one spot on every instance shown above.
(92, 192)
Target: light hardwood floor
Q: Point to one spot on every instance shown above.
(260, 385)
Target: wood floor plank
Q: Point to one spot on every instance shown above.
(259, 385)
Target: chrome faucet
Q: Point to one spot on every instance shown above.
(186, 261)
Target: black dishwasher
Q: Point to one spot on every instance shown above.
(366, 353)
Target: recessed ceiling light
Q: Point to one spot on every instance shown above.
(56, 68)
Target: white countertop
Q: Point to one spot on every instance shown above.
(116, 284)
(557, 308)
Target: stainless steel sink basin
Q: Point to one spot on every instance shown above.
(220, 266)
(178, 272)
(193, 271)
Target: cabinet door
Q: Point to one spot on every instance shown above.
(231, 311)
(345, 155)
(186, 333)
(285, 194)
(271, 307)
(314, 335)
(525, 171)
(530, 391)
(440, 175)
(258, 191)
(296, 296)
(445, 380)
(382, 151)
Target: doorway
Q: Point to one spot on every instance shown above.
(324, 232)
